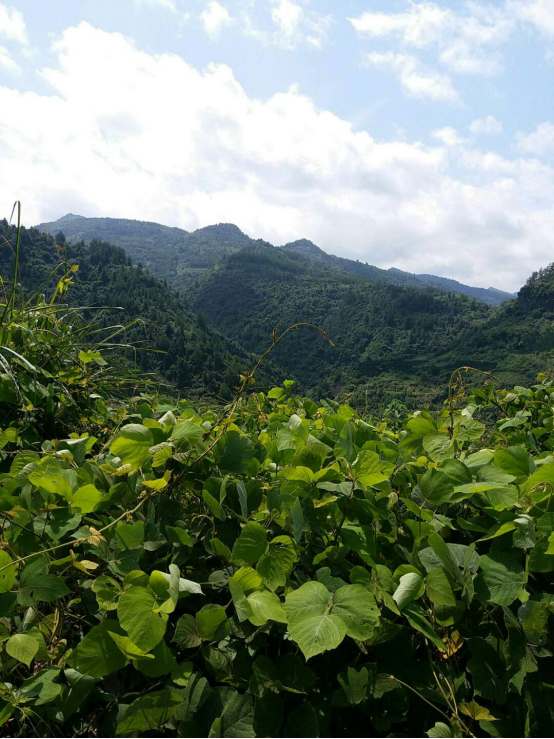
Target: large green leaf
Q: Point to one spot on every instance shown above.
(317, 634)
(277, 563)
(438, 446)
(310, 624)
(186, 434)
(237, 719)
(265, 606)
(187, 634)
(36, 587)
(251, 544)
(23, 647)
(234, 452)
(8, 572)
(132, 445)
(149, 712)
(310, 599)
(515, 461)
(163, 662)
(139, 615)
(438, 589)
(358, 610)
(42, 688)
(436, 487)
(409, 588)
(212, 622)
(370, 469)
(97, 654)
(86, 498)
(501, 579)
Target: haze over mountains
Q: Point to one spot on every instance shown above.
(181, 256)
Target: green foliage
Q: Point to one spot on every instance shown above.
(288, 568)
(283, 572)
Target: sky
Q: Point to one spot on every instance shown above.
(403, 133)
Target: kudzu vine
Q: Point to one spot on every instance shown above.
(278, 567)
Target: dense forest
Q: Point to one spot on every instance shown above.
(376, 327)
(391, 341)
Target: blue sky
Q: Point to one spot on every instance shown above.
(411, 134)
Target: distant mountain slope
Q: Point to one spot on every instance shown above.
(310, 251)
(180, 257)
(391, 340)
(489, 295)
(170, 253)
(187, 352)
(378, 328)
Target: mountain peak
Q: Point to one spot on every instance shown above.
(69, 217)
(303, 246)
(224, 229)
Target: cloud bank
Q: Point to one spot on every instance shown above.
(150, 137)
(468, 41)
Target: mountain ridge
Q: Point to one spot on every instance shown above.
(180, 256)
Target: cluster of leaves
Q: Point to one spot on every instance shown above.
(281, 567)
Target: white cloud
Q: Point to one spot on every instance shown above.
(416, 79)
(466, 44)
(486, 125)
(7, 62)
(468, 41)
(214, 18)
(12, 25)
(540, 142)
(449, 136)
(280, 168)
(295, 25)
(539, 13)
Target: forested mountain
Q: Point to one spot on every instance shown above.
(380, 330)
(187, 352)
(180, 257)
(394, 341)
(170, 253)
(489, 295)
(393, 276)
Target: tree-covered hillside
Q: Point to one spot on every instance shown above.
(170, 253)
(402, 342)
(180, 257)
(377, 328)
(168, 338)
(393, 276)
(392, 341)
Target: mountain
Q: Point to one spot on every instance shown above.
(170, 253)
(391, 341)
(380, 330)
(489, 295)
(171, 340)
(180, 256)
(395, 336)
